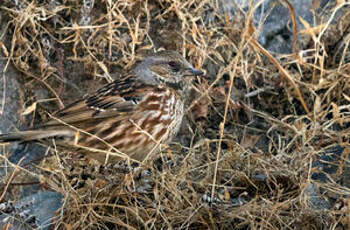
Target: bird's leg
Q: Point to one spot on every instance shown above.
(139, 181)
(123, 166)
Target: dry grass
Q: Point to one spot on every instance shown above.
(251, 157)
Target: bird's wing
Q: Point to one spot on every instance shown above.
(112, 100)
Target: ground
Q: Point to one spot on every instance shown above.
(265, 141)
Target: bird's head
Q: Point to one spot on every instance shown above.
(166, 68)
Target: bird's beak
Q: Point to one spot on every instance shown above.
(193, 72)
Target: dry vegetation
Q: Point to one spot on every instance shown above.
(242, 160)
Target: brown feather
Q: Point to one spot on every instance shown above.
(133, 114)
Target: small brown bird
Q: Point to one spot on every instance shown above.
(131, 116)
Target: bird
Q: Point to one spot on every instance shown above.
(129, 118)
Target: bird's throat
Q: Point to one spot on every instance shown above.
(175, 85)
(178, 86)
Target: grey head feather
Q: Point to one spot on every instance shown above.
(145, 74)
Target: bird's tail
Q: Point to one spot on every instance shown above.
(32, 135)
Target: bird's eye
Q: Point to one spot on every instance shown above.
(174, 65)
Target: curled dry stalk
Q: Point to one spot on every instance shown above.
(223, 157)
